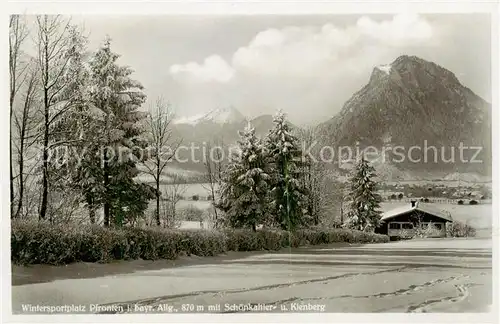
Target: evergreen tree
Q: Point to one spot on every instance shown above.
(288, 190)
(244, 189)
(364, 208)
(118, 98)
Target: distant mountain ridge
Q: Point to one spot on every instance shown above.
(218, 127)
(221, 124)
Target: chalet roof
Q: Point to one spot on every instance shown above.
(425, 208)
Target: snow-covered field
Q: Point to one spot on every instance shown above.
(190, 189)
(168, 173)
(441, 275)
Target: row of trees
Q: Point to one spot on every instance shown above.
(78, 135)
(271, 182)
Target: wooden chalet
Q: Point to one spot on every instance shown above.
(402, 222)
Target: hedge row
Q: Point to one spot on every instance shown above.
(40, 243)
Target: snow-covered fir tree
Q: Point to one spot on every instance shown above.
(118, 97)
(364, 207)
(288, 192)
(244, 190)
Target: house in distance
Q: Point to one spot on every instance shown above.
(405, 221)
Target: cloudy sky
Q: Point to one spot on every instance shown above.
(306, 65)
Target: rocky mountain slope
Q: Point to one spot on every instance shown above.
(413, 102)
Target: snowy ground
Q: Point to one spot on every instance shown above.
(439, 275)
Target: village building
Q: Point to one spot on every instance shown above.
(406, 221)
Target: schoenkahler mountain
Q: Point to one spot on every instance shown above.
(411, 101)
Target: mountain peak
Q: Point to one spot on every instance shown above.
(381, 72)
(404, 59)
(413, 70)
(416, 65)
(387, 69)
(224, 115)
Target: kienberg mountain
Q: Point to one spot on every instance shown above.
(411, 100)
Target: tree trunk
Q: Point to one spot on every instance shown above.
(10, 151)
(91, 208)
(12, 67)
(106, 191)
(212, 189)
(107, 196)
(45, 166)
(215, 216)
(158, 221)
(11, 177)
(92, 215)
(21, 159)
(106, 214)
(21, 183)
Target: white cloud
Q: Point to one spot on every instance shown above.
(213, 68)
(298, 51)
(309, 67)
(304, 51)
(400, 31)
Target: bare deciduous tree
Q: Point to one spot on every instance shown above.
(314, 179)
(52, 43)
(168, 214)
(213, 161)
(24, 124)
(340, 194)
(17, 35)
(161, 148)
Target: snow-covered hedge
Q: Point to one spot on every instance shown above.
(39, 243)
(459, 229)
